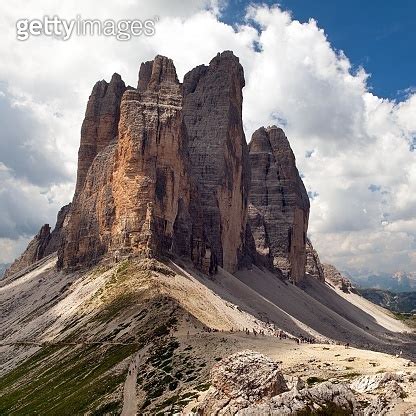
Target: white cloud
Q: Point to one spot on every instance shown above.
(345, 138)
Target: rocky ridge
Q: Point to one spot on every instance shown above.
(164, 169)
(42, 245)
(314, 267)
(333, 276)
(249, 383)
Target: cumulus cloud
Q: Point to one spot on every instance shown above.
(27, 145)
(352, 147)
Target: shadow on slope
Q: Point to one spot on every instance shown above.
(322, 309)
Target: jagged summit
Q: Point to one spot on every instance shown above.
(154, 73)
(43, 244)
(176, 178)
(165, 169)
(218, 154)
(100, 125)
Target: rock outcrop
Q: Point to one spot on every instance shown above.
(385, 393)
(100, 125)
(43, 244)
(242, 379)
(314, 267)
(176, 178)
(249, 383)
(218, 154)
(333, 276)
(278, 204)
(325, 398)
(164, 169)
(136, 186)
(369, 383)
(34, 251)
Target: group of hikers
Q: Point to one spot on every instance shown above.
(278, 333)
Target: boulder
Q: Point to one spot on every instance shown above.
(242, 379)
(369, 383)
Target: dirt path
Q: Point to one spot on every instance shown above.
(129, 391)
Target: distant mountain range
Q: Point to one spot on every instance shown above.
(397, 282)
(404, 302)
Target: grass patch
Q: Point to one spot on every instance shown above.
(408, 318)
(110, 408)
(203, 386)
(118, 304)
(63, 381)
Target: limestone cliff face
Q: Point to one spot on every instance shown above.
(314, 267)
(43, 244)
(136, 186)
(58, 232)
(88, 232)
(177, 177)
(279, 204)
(100, 124)
(218, 154)
(150, 182)
(164, 168)
(91, 215)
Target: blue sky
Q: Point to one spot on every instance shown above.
(380, 36)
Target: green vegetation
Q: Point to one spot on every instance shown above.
(110, 408)
(402, 302)
(175, 403)
(203, 386)
(64, 381)
(117, 305)
(408, 318)
(166, 370)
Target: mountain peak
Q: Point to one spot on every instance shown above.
(159, 71)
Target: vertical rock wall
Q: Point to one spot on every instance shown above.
(279, 204)
(218, 154)
(100, 124)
